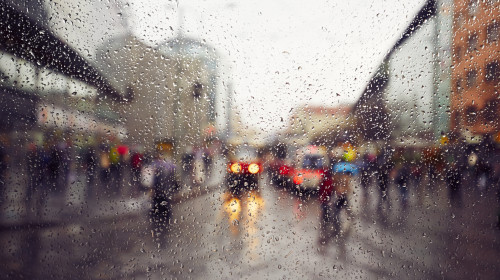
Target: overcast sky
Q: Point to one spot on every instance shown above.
(281, 54)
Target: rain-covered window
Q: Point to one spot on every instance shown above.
(492, 72)
(493, 32)
(284, 139)
(472, 42)
(471, 78)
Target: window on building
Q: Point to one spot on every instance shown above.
(473, 7)
(458, 118)
(197, 90)
(471, 78)
(490, 111)
(472, 42)
(492, 72)
(458, 85)
(471, 115)
(493, 32)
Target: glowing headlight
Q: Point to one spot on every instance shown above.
(236, 167)
(253, 168)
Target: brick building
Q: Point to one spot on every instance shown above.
(474, 102)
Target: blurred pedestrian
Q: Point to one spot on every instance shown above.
(64, 158)
(35, 171)
(187, 162)
(454, 181)
(199, 171)
(207, 160)
(416, 172)
(325, 198)
(165, 184)
(384, 167)
(486, 152)
(114, 170)
(136, 162)
(124, 170)
(3, 170)
(402, 181)
(367, 167)
(343, 170)
(90, 169)
(52, 163)
(342, 187)
(104, 166)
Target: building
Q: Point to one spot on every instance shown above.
(137, 71)
(194, 84)
(51, 97)
(46, 85)
(408, 94)
(475, 106)
(370, 111)
(167, 92)
(318, 125)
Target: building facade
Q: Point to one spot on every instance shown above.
(476, 68)
(168, 92)
(54, 109)
(318, 125)
(407, 95)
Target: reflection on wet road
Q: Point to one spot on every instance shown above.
(269, 234)
(243, 213)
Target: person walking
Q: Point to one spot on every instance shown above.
(114, 170)
(325, 198)
(136, 163)
(402, 181)
(367, 167)
(384, 167)
(165, 184)
(34, 162)
(90, 168)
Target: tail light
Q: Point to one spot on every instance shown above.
(284, 170)
(298, 179)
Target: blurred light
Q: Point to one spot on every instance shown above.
(122, 149)
(232, 207)
(298, 179)
(284, 170)
(349, 154)
(253, 168)
(236, 167)
(444, 140)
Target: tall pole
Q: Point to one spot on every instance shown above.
(229, 109)
(177, 79)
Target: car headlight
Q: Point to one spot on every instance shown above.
(253, 168)
(235, 167)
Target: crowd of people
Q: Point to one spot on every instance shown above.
(390, 173)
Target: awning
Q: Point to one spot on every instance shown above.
(24, 38)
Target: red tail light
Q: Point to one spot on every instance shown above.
(285, 170)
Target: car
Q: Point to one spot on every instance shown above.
(243, 170)
(311, 169)
(279, 166)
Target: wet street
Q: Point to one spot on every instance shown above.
(271, 234)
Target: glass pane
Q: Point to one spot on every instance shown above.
(152, 139)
